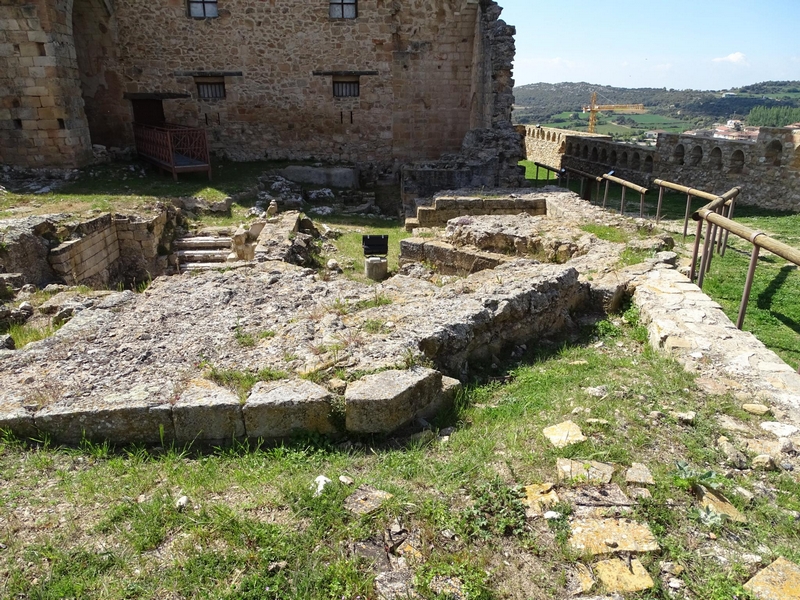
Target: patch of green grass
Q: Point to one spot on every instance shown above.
(607, 233)
(27, 334)
(242, 382)
(634, 256)
(377, 300)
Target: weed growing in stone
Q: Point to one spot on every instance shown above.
(242, 382)
(607, 233)
(27, 334)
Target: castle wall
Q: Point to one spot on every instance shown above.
(768, 171)
(42, 121)
(423, 82)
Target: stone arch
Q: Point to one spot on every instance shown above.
(679, 155)
(604, 156)
(569, 149)
(697, 156)
(737, 162)
(585, 152)
(636, 161)
(561, 148)
(548, 136)
(796, 161)
(773, 153)
(715, 158)
(648, 164)
(612, 158)
(594, 154)
(623, 160)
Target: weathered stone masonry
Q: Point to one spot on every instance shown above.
(768, 169)
(75, 67)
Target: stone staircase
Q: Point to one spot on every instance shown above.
(202, 252)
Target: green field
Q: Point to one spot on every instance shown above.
(605, 125)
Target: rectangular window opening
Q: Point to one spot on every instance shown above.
(42, 49)
(346, 87)
(17, 123)
(203, 9)
(210, 88)
(343, 9)
(62, 124)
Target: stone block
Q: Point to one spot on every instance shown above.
(338, 177)
(443, 401)
(447, 203)
(207, 412)
(141, 414)
(500, 203)
(412, 249)
(536, 204)
(470, 204)
(281, 408)
(15, 418)
(382, 402)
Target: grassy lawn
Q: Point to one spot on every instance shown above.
(97, 522)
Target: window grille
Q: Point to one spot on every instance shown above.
(346, 89)
(201, 9)
(343, 9)
(211, 91)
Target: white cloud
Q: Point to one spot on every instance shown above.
(737, 58)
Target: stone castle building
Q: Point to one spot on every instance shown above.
(382, 82)
(766, 168)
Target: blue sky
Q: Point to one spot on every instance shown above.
(698, 44)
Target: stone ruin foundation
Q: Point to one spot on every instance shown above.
(340, 357)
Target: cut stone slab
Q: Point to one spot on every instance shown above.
(584, 471)
(779, 581)
(387, 400)
(603, 495)
(15, 418)
(277, 409)
(731, 424)
(639, 474)
(205, 412)
(539, 497)
(365, 499)
(755, 409)
(618, 577)
(720, 505)
(781, 430)
(564, 434)
(142, 414)
(771, 447)
(607, 536)
(443, 401)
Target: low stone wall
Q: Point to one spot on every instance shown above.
(448, 259)
(446, 207)
(545, 145)
(90, 259)
(686, 323)
(115, 248)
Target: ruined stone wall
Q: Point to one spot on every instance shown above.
(42, 122)
(110, 249)
(492, 148)
(768, 170)
(545, 145)
(90, 259)
(95, 38)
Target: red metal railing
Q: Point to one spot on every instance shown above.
(174, 148)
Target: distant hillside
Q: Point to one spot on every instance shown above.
(540, 102)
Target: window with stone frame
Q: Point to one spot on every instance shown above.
(343, 9)
(203, 9)
(346, 86)
(210, 88)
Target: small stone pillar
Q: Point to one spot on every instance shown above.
(376, 268)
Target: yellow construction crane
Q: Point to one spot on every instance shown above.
(595, 108)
